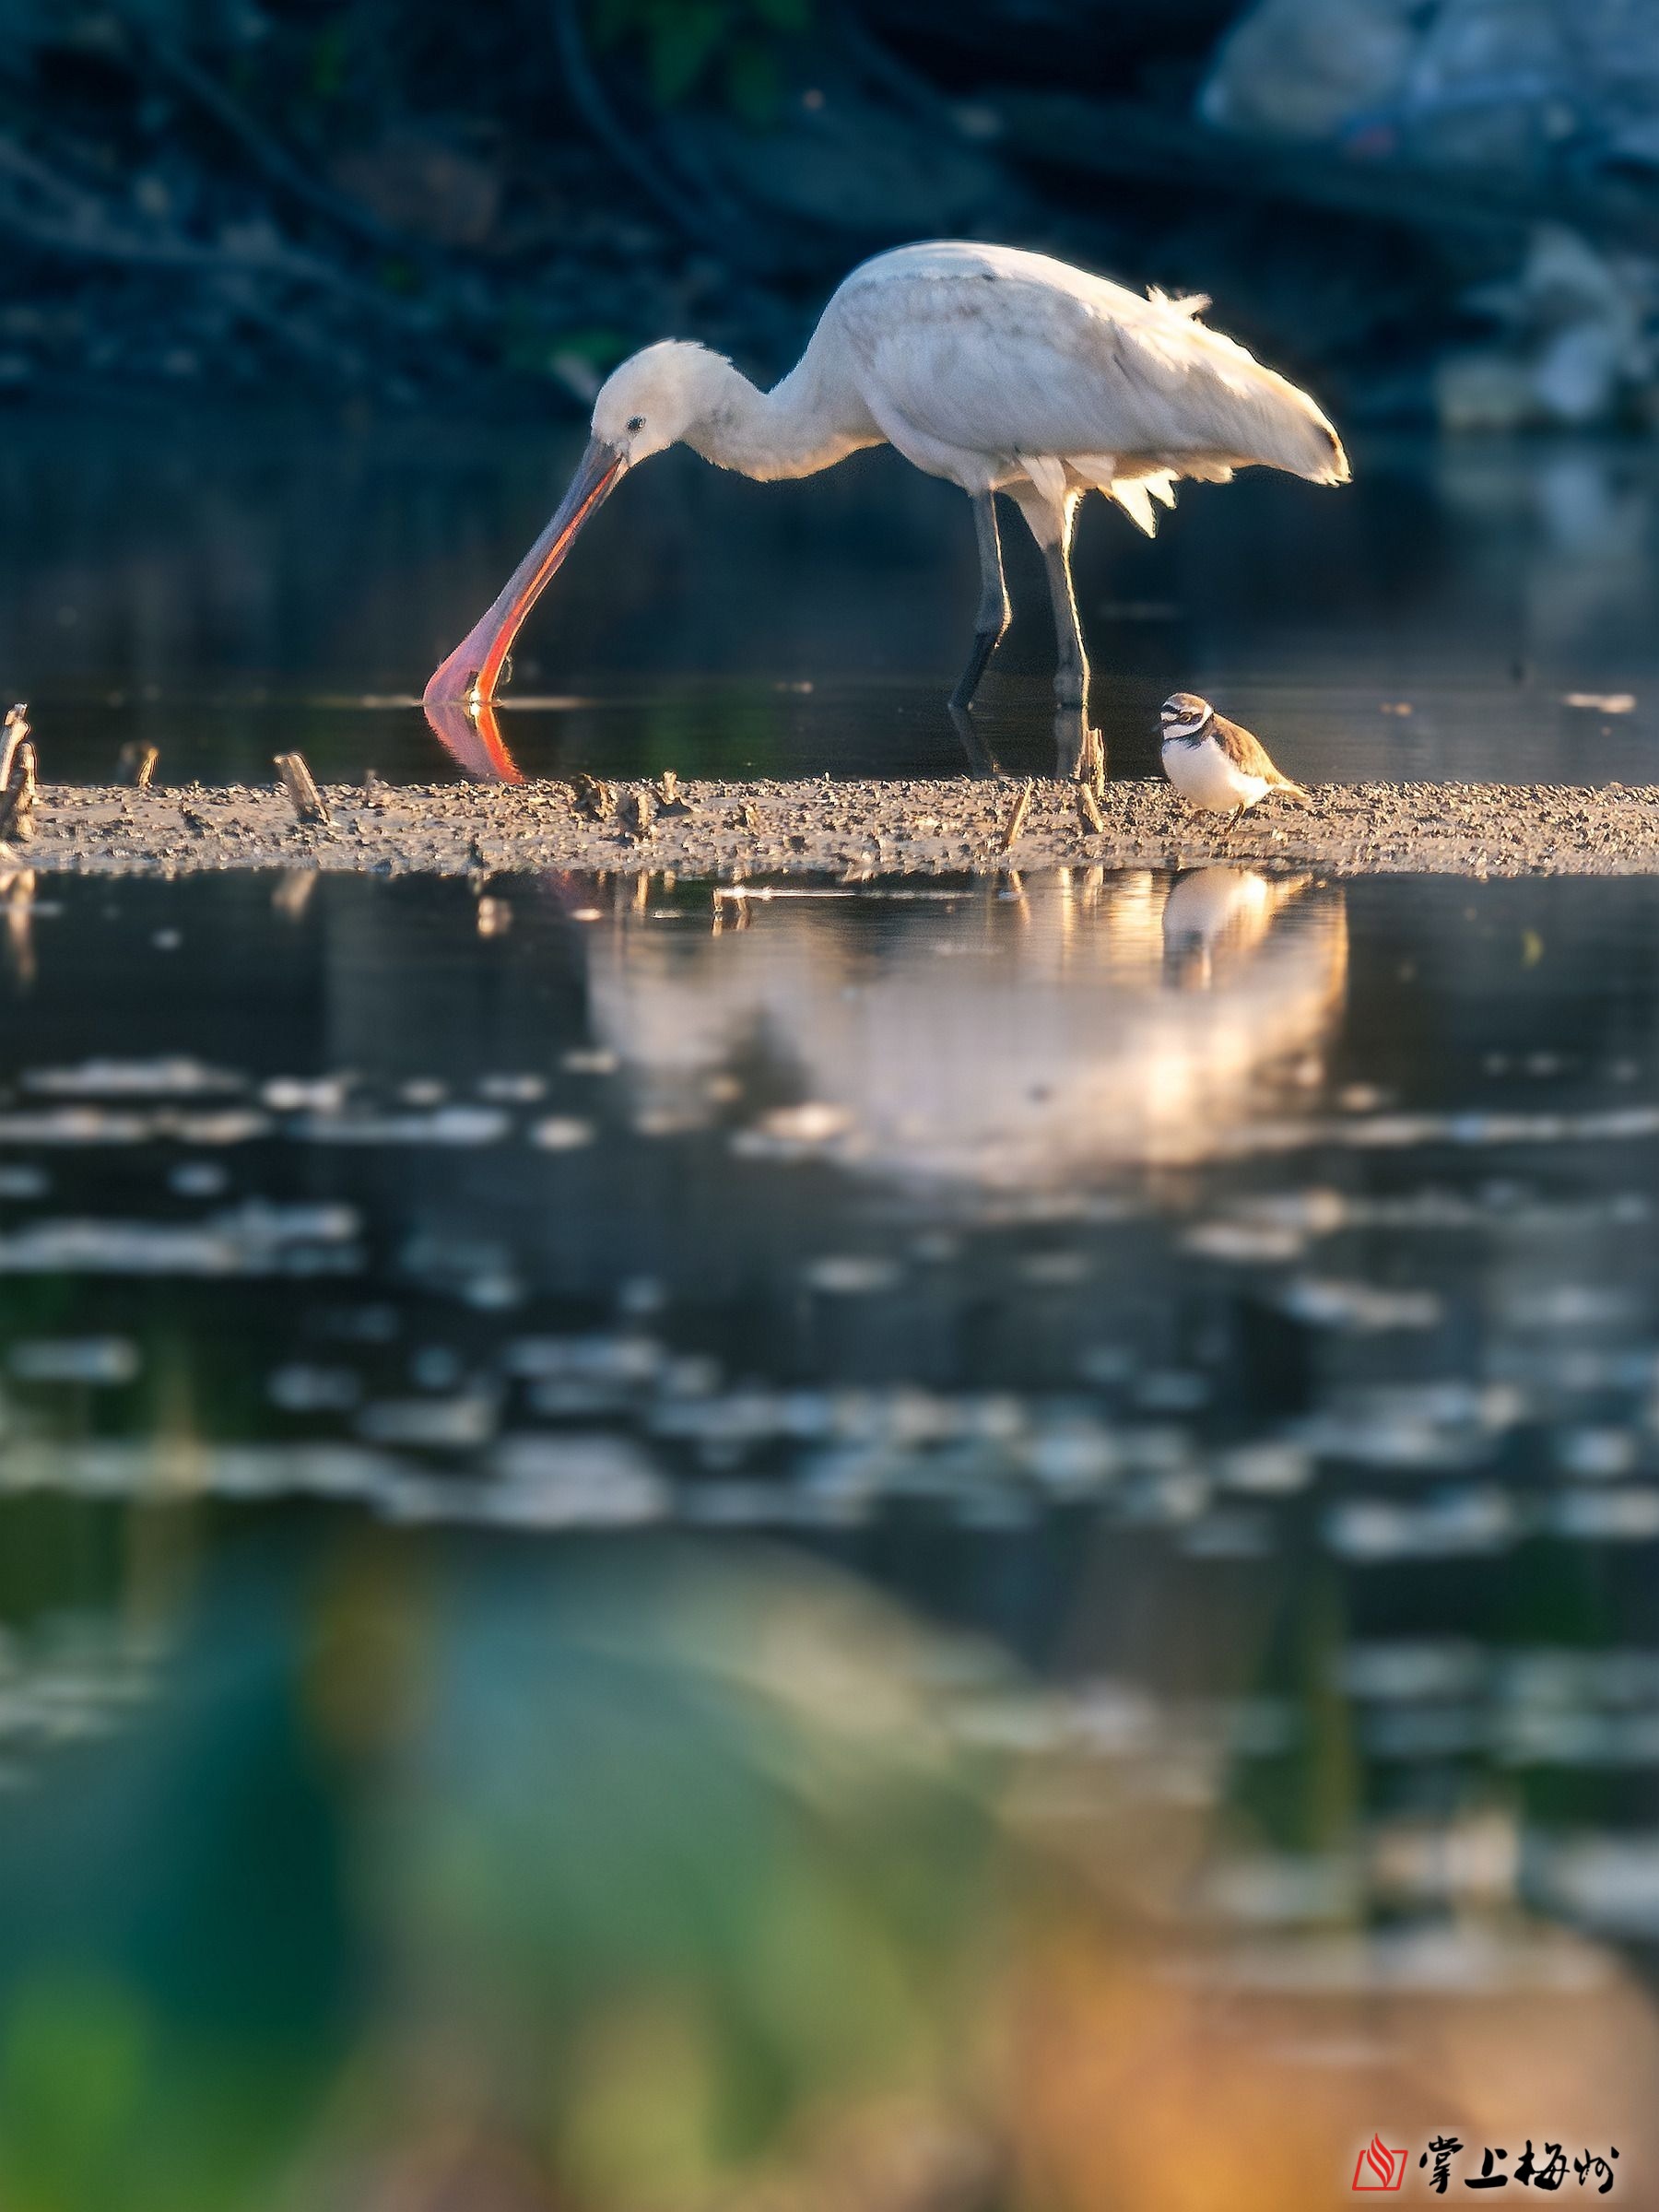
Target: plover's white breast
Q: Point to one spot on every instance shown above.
(1204, 775)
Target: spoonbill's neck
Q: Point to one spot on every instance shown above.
(810, 420)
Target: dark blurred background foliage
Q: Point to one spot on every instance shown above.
(1446, 209)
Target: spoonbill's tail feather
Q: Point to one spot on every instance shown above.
(1134, 490)
(1308, 445)
(1267, 419)
(1132, 494)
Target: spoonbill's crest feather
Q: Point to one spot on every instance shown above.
(667, 389)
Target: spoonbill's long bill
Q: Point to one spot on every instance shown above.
(1002, 370)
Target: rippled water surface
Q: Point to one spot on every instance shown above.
(921, 1545)
(572, 1472)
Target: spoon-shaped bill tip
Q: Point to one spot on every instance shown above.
(470, 733)
(473, 669)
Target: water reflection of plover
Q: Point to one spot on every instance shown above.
(1215, 917)
(1216, 763)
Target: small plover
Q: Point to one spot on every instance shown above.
(1214, 763)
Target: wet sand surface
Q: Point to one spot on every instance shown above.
(854, 827)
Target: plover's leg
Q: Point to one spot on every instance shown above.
(1050, 522)
(992, 617)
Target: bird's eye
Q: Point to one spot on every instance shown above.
(635, 422)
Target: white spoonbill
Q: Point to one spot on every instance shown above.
(1001, 370)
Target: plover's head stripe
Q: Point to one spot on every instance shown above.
(1184, 710)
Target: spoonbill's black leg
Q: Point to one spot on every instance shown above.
(992, 617)
(981, 760)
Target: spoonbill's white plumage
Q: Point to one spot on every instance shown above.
(1002, 370)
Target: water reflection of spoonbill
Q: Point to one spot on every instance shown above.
(1093, 1022)
(1001, 370)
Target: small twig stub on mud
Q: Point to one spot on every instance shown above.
(297, 781)
(1017, 815)
(18, 798)
(595, 798)
(136, 764)
(18, 776)
(15, 729)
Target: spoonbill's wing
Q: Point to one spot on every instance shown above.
(987, 352)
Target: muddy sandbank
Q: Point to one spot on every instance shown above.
(732, 828)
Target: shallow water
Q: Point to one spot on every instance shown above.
(226, 594)
(971, 1542)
